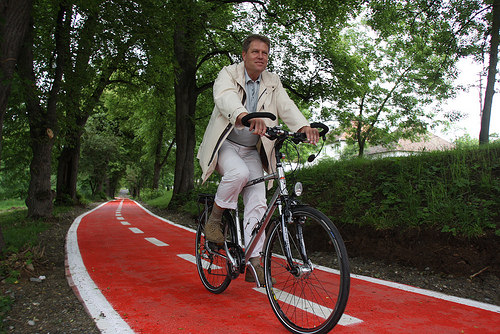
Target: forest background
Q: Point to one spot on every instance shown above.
(101, 95)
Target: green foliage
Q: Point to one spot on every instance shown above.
(466, 141)
(6, 302)
(16, 155)
(18, 231)
(22, 247)
(454, 191)
(21, 237)
(157, 198)
(12, 204)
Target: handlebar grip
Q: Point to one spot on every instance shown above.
(248, 117)
(323, 127)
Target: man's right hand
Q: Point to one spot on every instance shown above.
(257, 125)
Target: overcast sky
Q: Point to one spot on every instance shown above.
(468, 103)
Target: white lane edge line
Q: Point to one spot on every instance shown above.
(165, 220)
(97, 306)
(156, 242)
(430, 293)
(399, 286)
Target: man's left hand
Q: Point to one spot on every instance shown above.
(311, 133)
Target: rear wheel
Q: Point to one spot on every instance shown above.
(211, 259)
(311, 295)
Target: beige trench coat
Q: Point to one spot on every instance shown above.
(229, 98)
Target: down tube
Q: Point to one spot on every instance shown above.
(267, 217)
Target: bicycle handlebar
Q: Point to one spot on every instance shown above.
(245, 121)
(246, 118)
(323, 127)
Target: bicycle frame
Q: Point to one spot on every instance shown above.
(303, 302)
(275, 202)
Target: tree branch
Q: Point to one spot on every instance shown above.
(210, 55)
(204, 87)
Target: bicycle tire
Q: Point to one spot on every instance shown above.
(210, 258)
(308, 302)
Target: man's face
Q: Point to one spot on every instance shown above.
(256, 58)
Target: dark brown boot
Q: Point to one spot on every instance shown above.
(213, 228)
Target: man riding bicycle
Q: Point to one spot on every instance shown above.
(241, 153)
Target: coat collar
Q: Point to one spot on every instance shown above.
(267, 79)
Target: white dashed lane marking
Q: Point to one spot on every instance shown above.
(156, 242)
(192, 259)
(135, 230)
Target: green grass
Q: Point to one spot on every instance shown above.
(20, 232)
(11, 204)
(161, 201)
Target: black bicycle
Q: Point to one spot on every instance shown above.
(303, 251)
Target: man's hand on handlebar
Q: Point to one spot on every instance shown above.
(257, 125)
(312, 134)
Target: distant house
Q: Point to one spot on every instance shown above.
(405, 147)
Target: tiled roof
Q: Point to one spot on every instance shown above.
(428, 143)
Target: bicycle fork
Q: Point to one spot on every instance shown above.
(305, 269)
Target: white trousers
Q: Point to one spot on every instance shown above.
(238, 164)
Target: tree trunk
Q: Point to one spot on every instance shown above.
(484, 134)
(185, 103)
(14, 23)
(43, 123)
(40, 199)
(159, 160)
(67, 172)
(76, 116)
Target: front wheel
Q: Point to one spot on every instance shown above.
(309, 295)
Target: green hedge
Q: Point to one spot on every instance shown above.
(453, 191)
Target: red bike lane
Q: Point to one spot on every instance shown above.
(135, 273)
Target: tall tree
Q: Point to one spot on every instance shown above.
(194, 24)
(104, 43)
(410, 63)
(43, 118)
(492, 71)
(14, 23)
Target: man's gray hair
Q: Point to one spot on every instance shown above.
(254, 37)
